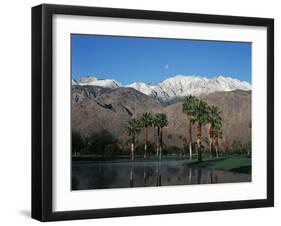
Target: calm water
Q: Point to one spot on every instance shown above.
(140, 174)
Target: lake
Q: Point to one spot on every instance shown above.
(146, 174)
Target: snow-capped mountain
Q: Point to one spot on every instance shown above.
(93, 81)
(174, 87)
(74, 82)
(180, 86)
(143, 87)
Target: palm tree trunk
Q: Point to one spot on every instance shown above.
(190, 150)
(199, 135)
(145, 142)
(133, 147)
(217, 148)
(210, 140)
(211, 147)
(161, 141)
(190, 139)
(133, 150)
(158, 141)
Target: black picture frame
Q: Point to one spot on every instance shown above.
(42, 111)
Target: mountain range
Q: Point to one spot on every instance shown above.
(174, 87)
(106, 104)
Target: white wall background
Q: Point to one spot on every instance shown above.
(15, 113)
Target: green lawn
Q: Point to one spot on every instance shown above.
(234, 163)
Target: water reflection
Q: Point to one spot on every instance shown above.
(132, 176)
(140, 174)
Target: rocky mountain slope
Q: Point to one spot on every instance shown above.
(96, 108)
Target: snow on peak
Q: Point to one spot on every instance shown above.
(183, 85)
(228, 83)
(94, 81)
(174, 87)
(142, 87)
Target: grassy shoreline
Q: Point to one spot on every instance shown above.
(103, 159)
(235, 163)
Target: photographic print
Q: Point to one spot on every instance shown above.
(159, 112)
(138, 112)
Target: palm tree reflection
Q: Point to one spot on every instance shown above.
(144, 174)
(132, 175)
(190, 175)
(199, 176)
(158, 174)
(211, 177)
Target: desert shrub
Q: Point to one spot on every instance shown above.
(102, 141)
(173, 150)
(112, 149)
(151, 148)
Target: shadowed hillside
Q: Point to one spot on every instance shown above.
(95, 109)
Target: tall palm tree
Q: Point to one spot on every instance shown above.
(146, 120)
(214, 121)
(160, 121)
(133, 128)
(201, 117)
(188, 107)
(217, 136)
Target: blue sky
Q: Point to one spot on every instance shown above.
(150, 60)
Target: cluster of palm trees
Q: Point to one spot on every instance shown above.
(146, 120)
(198, 111)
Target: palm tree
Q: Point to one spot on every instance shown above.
(214, 121)
(160, 121)
(201, 117)
(217, 135)
(146, 120)
(133, 128)
(188, 107)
